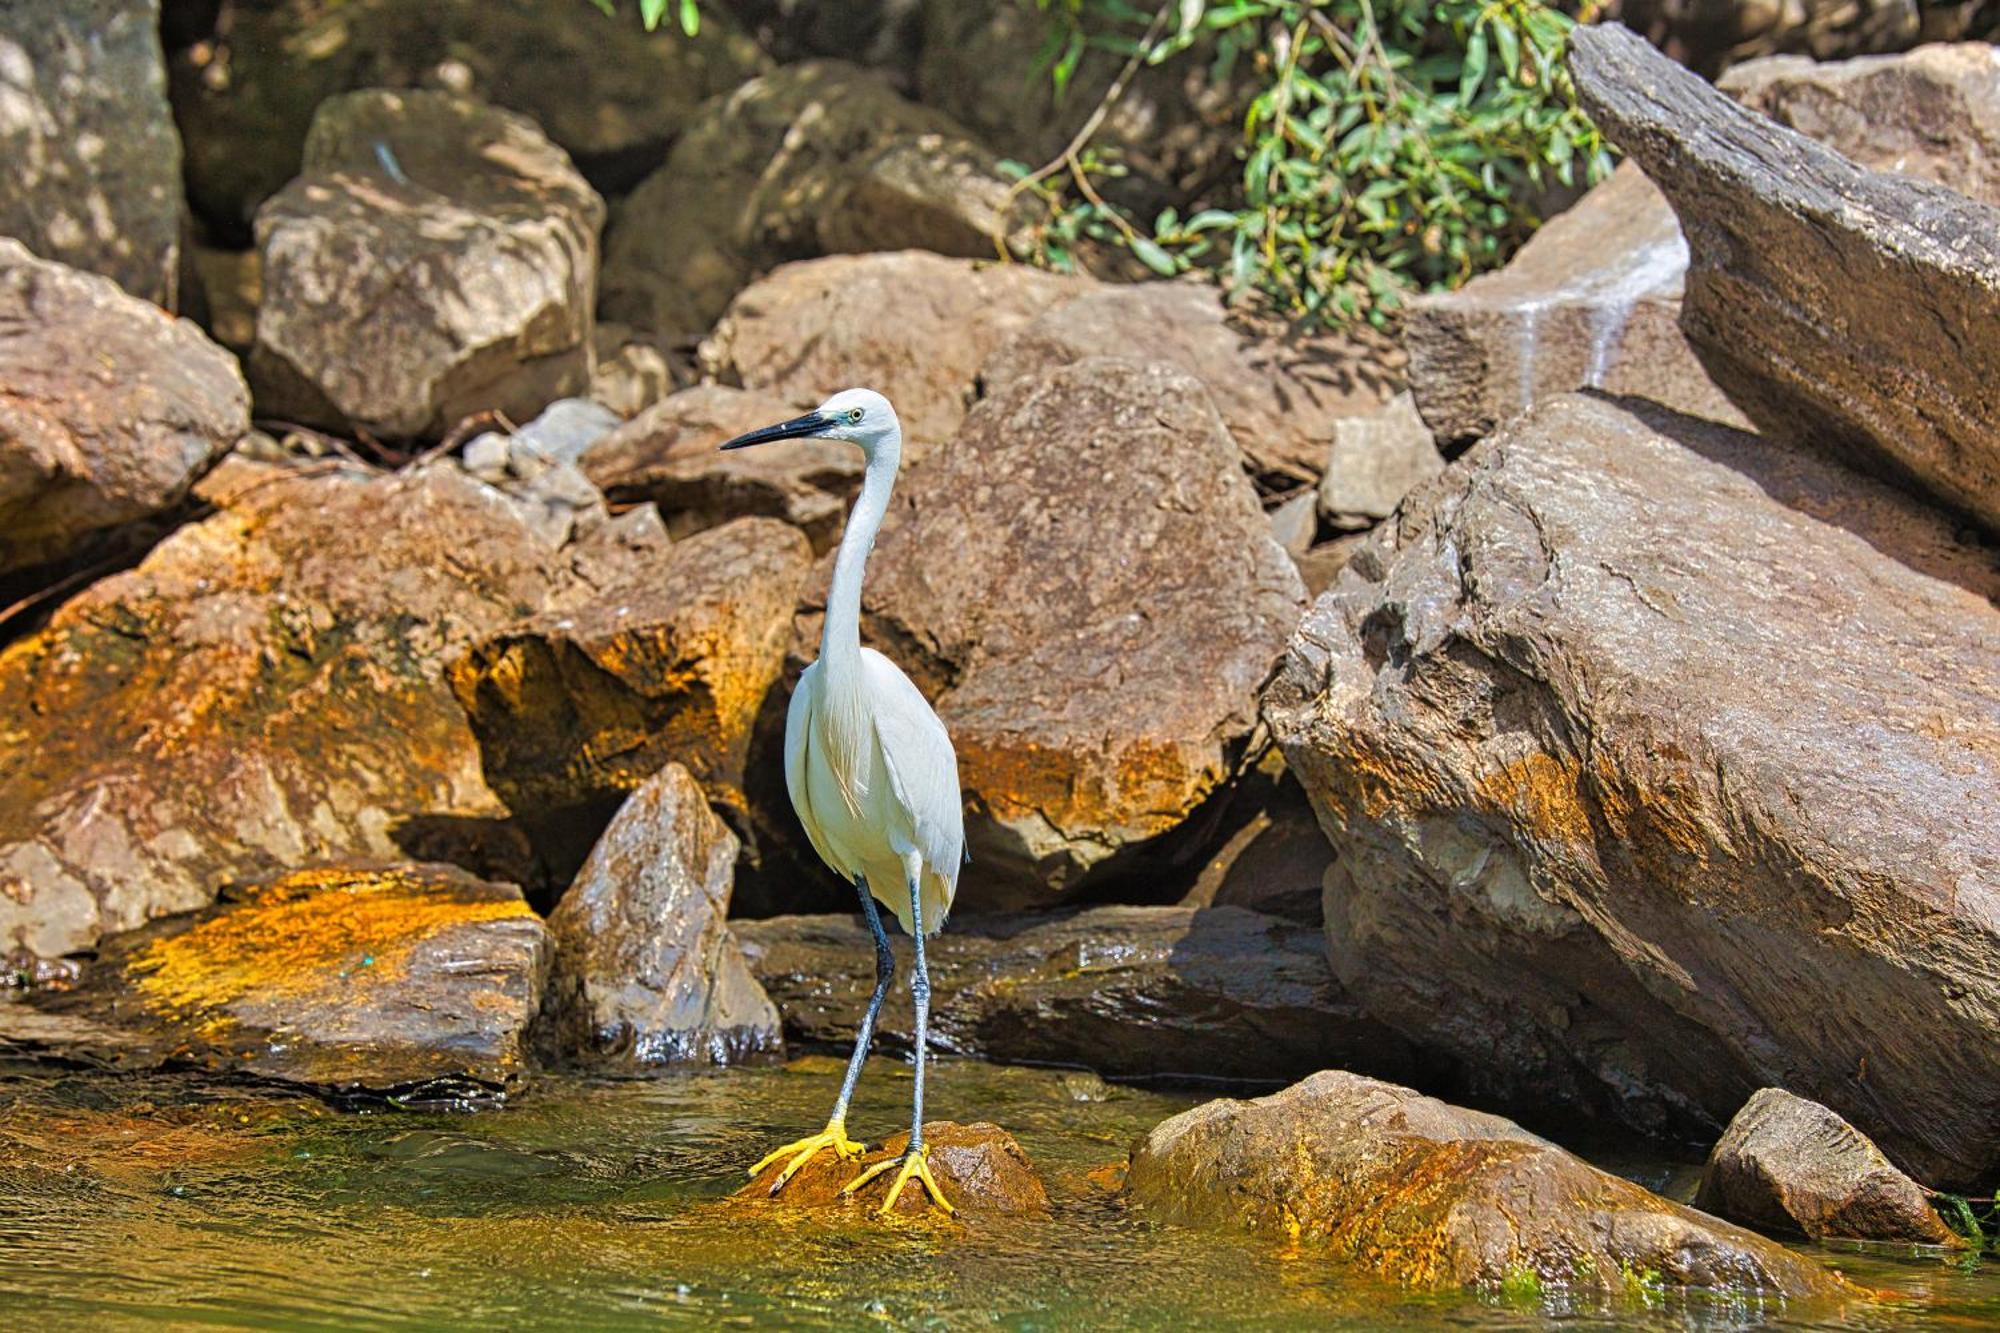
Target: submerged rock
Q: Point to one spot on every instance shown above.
(981, 1169)
(93, 160)
(413, 980)
(809, 330)
(1659, 762)
(1788, 1164)
(647, 972)
(109, 408)
(1124, 991)
(1436, 1196)
(1848, 310)
(437, 258)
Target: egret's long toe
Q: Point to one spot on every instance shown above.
(914, 1164)
(832, 1139)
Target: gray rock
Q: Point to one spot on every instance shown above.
(1375, 461)
(647, 972)
(1621, 710)
(1294, 523)
(565, 430)
(109, 408)
(437, 259)
(1851, 310)
(93, 161)
(632, 372)
(1788, 1164)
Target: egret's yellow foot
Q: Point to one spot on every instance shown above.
(915, 1164)
(832, 1139)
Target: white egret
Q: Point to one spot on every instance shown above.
(872, 773)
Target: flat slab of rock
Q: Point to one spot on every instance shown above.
(1788, 1164)
(669, 454)
(981, 1169)
(109, 407)
(1435, 1196)
(808, 330)
(1125, 991)
(1134, 556)
(437, 258)
(647, 972)
(1846, 309)
(1625, 706)
(413, 980)
(93, 159)
(1279, 391)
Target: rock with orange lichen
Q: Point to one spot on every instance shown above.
(1663, 764)
(1084, 584)
(981, 1169)
(414, 980)
(668, 660)
(1439, 1197)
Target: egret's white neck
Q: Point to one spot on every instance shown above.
(840, 638)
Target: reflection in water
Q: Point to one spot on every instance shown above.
(600, 1204)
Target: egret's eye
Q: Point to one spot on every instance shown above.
(853, 416)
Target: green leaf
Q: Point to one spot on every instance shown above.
(1474, 71)
(650, 12)
(690, 17)
(1154, 257)
(1067, 63)
(1508, 39)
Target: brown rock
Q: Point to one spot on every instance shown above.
(1126, 991)
(669, 455)
(812, 159)
(1707, 35)
(1788, 1164)
(1279, 391)
(437, 259)
(632, 372)
(1277, 859)
(411, 979)
(1134, 557)
(266, 689)
(1436, 1196)
(93, 161)
(1841, 308)
(666, 660)
(810, 330)
(109, 408)
(647, 972)
(1623, 708)
(981, 1169)
(1374, 463)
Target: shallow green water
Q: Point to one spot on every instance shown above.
(597, 1204)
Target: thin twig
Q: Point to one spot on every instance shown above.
(463, 431)
(333, 442)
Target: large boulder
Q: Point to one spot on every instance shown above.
(646, 971)
(410, 980)
(1659, 761)
(915, 327)
(437, 258)
(266, 689)
(1848, 309)
(669, 455)
(1279, 390)
(109, 408)
(1084, 584)
(1134, 992)
(1788, 1164)
(93, 160)
(812, 159)
(607, 92)
(1435, 1196)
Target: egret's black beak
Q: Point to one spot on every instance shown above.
(812, 423)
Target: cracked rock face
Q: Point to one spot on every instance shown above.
(1659, 760)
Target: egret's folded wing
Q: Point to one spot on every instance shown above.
(922, 768)
(798, 758)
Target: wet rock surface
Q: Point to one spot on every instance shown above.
(1124, 991)
(1658, 762)
(436, 258)
(417, 981)
(94, 177)
(647, 972)
(1788, 1164)
(981, 1169)
(1136, 558)
(809, 330)
(109, 407)
(1838, 307)
(669, 455)
(1279, 392)
(818, 158)
(1437, 1196)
